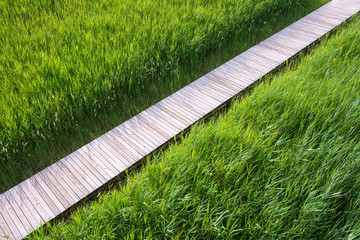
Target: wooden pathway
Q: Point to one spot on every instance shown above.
(58, 188)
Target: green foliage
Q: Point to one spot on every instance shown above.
(64, 63)
(283, 163)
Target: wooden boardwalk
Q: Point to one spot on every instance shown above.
(58, 188)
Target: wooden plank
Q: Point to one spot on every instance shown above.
(290, 41)
(315, 28)
(160, 125)
(205, 95)
(61, 185)
(7, 226)
(95, 170)
(245, 62)
(226, 82)
(66, 165)
(125, 155)
(83, 186)
(236, 79)
(45, 193)
(54, 185)
(167, 119)
(174, 121)
(25, 188)
(28, 208)
(335, 11)
(312, 23)
(309, 31)
(130, 133)
(119, 159)
(107, 169)
(76, 190)
(215, 86)
(95, 152)
(175, 112)
(241, 66)
(173, 117)
(342, 8)
(284, 44)
(323, 19)
(291, 34)
(178, 121)
(183, 107)
(277, 40)
(141, 132)
(214, 89)
(151, 138)
(211, 91)
(164, 124)
(272, 53)
(143, 148)
(333, 14)
(17, 230)
(264, 64)
(244, 67)
(183, 110)
(61, 203)
(262, 54)
(202, 97)
(188, 101)
(195, 101)
(133, 128)
(155, 141)
(286, 51)
(22, 212)
(86, 169)
(151, 135)
(4, 228)
(180, 100)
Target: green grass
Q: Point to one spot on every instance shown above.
(283, 163)
(71, 70)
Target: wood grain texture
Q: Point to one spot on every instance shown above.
(62, 186)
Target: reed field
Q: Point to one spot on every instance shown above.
(282, 163)
(70, 68)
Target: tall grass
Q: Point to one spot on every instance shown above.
(66, 64)
(284, 163)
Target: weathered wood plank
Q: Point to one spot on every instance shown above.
(45, 193)
(28, 208)
(12, 220)
(22, 212)
(25, 188)
(95, 170)
(81, 185)
(4, 228)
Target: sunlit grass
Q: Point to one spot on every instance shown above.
(283, 163)
(70, 70)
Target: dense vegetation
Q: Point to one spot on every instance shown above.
(283, 163)
(64, 62)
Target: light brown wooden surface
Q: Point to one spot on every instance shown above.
(63, 185)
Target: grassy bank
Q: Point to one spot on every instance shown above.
(283, 163)
(70, 70)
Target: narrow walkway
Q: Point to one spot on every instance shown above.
(60, 187)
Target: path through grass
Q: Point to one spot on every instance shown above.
(284, 163)
(71, 70)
